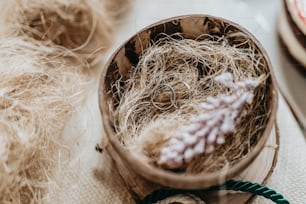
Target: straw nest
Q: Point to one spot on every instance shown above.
(81, 26)
(46, 48)
(38, 94)
(144, 109)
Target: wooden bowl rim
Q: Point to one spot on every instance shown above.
(168, 178)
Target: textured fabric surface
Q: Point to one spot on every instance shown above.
(289, 177)
(90, 177)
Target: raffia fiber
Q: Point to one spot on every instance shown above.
(48, 51)
(81, 26)
(37, 98)
(187, 67)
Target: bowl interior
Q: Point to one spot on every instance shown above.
(128, 56)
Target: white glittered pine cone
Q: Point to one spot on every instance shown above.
(220, 116)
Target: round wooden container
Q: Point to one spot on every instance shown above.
(142, 178)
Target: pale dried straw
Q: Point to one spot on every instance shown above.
(81, 26)
(47, 49)
(145, 110)
(38, 94)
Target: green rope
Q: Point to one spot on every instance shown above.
(243, 186)
(255, 188)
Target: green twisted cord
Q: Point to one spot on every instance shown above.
(255, 188)
(244, 186)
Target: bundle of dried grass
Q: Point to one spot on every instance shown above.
(81, 26)
(117, 9)
(173, 76)
(38, 93)
(46, 48)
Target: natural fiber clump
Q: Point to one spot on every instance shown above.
(173, 76)
(82, 27)
(37, 99)
(46, 48)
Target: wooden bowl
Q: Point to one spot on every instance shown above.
(140, 177)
